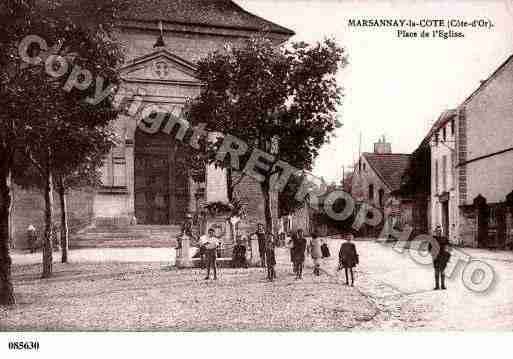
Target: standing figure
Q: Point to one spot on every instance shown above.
(325, 249)
(290, 244)
(211, 243)
(260, 233)
(239, 254)
(348, 258)
(187, 225)
(270, 257)
(31, 238)
(299, 252)
(440, 254)
(315, 251)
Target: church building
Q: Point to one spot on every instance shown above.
(146, 179)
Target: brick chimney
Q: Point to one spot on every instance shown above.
(382, 146)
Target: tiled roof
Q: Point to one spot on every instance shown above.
(445, 117)
(214, 13)
(390, 167)
(217, 13)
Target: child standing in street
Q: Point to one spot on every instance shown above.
(211, 244)
(315, 251)
(299, 247)
(348, 258)
(325, 249)
(270, 257)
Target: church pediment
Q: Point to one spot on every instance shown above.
(160, 67)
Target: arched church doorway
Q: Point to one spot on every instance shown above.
(161, 179)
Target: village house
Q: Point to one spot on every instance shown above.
(483, 169)
(415, 190)
(375, 179)
(444, 199)
(469, 152)
(145, 179)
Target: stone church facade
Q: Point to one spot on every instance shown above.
(146, 178)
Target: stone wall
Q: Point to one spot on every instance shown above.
(189, 46)
(467, 227)
(509, 230)
(29, 209)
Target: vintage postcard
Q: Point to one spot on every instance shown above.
(254, 166)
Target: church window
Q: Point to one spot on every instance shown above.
(119, 172)
(114, 170)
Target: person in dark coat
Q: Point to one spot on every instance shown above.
(316, 253)
(270, 257)
(348, 258)
(261, 235)
(325, 249)
(441, 256)
(299, 252)
(293, 235)
(239, 254)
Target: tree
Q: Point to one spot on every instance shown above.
(281, 101)
(13, 15)
(77, 169)
(287, 201)
(49, 102)
(82, 170)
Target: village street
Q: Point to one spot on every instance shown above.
(403, 292)
(136, 289)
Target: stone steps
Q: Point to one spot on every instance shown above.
(119, 236)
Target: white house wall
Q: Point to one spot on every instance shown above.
(489, 118)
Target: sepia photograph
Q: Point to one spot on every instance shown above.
(231, 167)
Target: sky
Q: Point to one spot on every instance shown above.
(396, 87)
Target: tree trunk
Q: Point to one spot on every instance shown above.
(229, 183)
(11, 220)
(64, 221)
(48, 236)
(268, 215)
(6, 288)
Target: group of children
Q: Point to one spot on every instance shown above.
(348, 257)
(299, 247)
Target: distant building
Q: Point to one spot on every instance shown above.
(375, 178)
(311, 216)
(415, 189)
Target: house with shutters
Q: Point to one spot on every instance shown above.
(471, 162)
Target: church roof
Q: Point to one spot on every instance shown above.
(389, 166)
(213, 13)
(216, 13)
